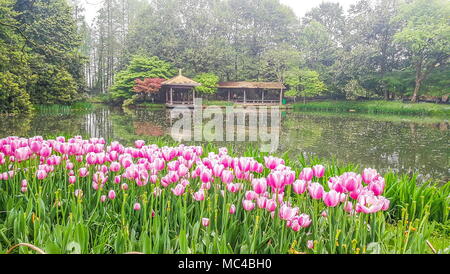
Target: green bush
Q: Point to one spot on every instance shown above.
(13, 97)
(140, 67)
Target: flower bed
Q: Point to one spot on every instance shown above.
(86, 196)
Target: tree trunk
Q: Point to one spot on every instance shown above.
(419, 78)
(416, 90)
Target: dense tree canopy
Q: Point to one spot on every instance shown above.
(387, 48)
(39, 52)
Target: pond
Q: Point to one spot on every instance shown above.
(401, 144)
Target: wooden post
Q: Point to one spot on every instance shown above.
(193, 95)
(262, 100)
(245, 99)
(171, 96)
(228, 95)
(281, 97)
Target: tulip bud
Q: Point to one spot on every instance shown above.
(205, 221)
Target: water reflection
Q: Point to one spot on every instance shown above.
(386, 143)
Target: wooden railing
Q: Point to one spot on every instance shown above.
(241, 101)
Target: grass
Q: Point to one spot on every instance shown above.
(376, 107)
(150, 105)
(49, 216)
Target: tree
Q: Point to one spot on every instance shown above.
(49, 48)
(353, 90)
(304, 82)
(425, 35)
(277, 61)
(209, 83)
(148, 85)
(140, 67)
(370, 43)
(14, 69)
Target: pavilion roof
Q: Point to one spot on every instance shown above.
(251, 85)
(180, 80)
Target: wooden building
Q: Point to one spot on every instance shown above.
(179, 91)
(254, 93)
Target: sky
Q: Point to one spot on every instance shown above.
(300, 7)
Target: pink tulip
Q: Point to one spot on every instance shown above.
(250, 195)
(377, 186)
(24, 183)
(137, 206)
(348, 207)
(385, 203)
(304, 220)
(299, 186)
(324, 214)
(232, 209)
(205, 222)
(261, 202)
(287, 212)
(318, 171)
(72, 179)
(351, 183)
(248, 205)
(69, 166)
(114, 167)
(178, 190)
(23, 189)
(331, 198)
(139, 143)
(316, 191)
(199, 195)
(205, 175)
(217, 170)
(112, 194)
(276, 180)
(41, 174)
(83, 172)
(369, 204)
(271, 205)
(232, 187)
(310, 244)
(273, 162)
(368, 175)
(306, 174)
(259, 185)
(103, 198)
(227, 176)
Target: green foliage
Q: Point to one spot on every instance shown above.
(52, 85)
(277, 61)
(13, 96)
(140, 67)
(353, 90)
(209, 83)
(39, 58)
(378, 106)
(304, 82)
(426, 36)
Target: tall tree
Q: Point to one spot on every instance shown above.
(426, 36)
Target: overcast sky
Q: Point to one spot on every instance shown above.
(300, 7)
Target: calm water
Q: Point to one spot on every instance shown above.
(403, 145)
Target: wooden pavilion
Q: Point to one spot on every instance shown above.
(179, 91)
(254, 93)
